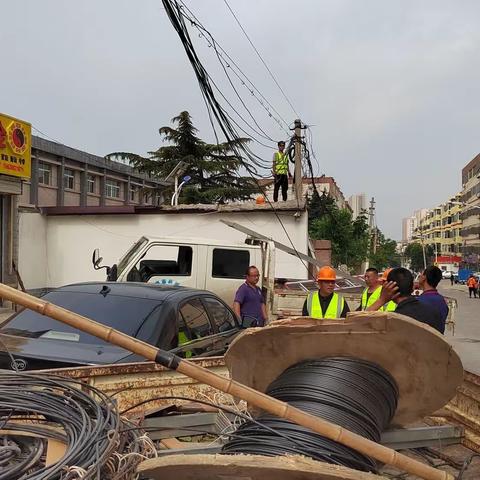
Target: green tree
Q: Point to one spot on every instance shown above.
(213, 168)
(349, 238)
(386, 253)
(414, 254)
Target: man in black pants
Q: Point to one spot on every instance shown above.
(280, 172)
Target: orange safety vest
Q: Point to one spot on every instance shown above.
(472, 283)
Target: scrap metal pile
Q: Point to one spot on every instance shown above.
(58, 428)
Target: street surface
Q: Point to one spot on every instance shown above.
(466, 339)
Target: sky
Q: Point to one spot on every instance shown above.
(389, 88)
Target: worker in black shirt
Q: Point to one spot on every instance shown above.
(399, 288)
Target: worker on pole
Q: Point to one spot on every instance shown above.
(325, 303)
(374, 288)
(280, 172)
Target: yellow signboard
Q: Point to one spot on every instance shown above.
(15, 147)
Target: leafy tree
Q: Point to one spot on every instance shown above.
(349, 238)
(414, 254)
(213, 168)
(386, 253)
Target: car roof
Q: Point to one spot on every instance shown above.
(135, 289)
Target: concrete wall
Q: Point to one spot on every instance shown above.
(32, 247)
(66, 242)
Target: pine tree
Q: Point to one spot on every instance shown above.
(213, 168)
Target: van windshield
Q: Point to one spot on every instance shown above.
(136, 247)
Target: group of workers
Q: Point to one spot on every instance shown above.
(393, 291)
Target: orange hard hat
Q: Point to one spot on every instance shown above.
(385, 274)
(260, 200)
(326, 273)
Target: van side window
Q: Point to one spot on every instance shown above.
(230, 263)
(162, 260)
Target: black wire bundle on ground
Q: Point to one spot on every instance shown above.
(357, 395)
(99, 444)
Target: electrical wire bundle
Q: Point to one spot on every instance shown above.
(99, 444)
(355, 394)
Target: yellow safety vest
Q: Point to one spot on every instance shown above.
(334, 309)
(281, 163)
(391, 306)
(182, 340)
(375, 295)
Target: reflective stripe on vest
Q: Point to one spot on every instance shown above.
(281, 163)
(390, 306)
(375, 295)
(334, 309)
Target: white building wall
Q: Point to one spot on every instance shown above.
(32, 249)
(69, 240)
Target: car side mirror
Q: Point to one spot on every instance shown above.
(248, 321)
(96, 259)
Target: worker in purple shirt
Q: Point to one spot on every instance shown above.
(249, 304)
(428, 281)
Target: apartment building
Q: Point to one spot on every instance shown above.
(470, 196)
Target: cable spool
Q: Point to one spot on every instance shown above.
(426, 369)
(358, 395)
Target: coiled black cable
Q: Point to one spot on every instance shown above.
(355, 394)
(99, 443)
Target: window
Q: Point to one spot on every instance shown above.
(111, 310)
(195, 319)
(162, 261)
(133, 193)
(112, 188)
(230, 263)
(91, 183)
(44, 173)
(68, 178)
(222, 317)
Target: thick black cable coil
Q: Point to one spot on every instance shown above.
(355, 394)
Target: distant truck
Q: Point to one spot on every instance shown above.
(463, 274)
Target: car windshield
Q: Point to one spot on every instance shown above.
(120, 312)
(136, 247)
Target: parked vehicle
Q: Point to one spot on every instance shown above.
(218, 267)
(447, 274)
(188, 321)
(190, 262)
(463, 274)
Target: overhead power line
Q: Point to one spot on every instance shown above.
(229, 63)
(261, 59)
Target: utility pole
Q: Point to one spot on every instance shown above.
(371, 231)
(298, 161)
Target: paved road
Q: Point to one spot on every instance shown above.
(467, 330)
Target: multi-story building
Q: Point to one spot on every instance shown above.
(441, 228)
(323, 184)
(470, 196)
(409, 224)
(358, 204)
(64, 176)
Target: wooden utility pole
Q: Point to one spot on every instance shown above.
(298, 162)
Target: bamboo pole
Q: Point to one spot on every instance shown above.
(260, 400)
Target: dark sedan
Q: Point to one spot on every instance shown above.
(188, 321)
